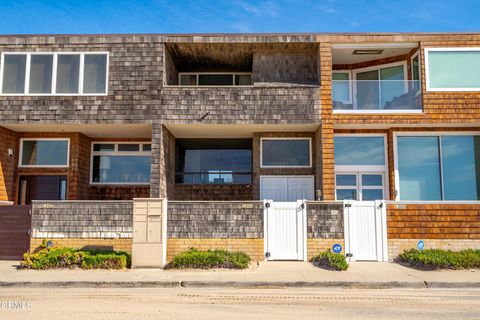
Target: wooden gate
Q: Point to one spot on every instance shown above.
(15, 223)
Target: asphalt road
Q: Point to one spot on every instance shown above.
(232, 304)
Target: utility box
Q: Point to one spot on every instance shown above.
(149, 245)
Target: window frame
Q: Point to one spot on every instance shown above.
(438, 134)
(286, 138)
(20, 156)
(196, 74)
(359, 170)
(427, 69)
(115, 152)
(54, 73)
(350, 85)
(359, 187)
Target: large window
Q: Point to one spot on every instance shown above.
(360, 167)
(225, 161)
(452, 69)
(54, 73)
(44, 152)
(439, 167)
(286, 152)
(121, 163)
(214, 79)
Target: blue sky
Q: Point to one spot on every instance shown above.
(233, 16)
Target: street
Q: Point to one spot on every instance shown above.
(229, 303)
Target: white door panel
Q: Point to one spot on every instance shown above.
(287, 188)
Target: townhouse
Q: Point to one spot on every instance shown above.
(280, 145)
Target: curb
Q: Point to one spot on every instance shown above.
(241, 285)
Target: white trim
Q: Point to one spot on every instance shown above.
(350, 84)
(20, 157)
(376, 45)
(380, 111)
(439, 134)
(427, 69)
(54, 73)
(286, 138)
(180, 74)
(115, 152)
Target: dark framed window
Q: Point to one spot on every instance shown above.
(214, 161)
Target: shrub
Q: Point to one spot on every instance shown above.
(431, 259)
(197, 259)
(332, 261)
(51, 258)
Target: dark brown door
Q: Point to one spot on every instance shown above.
(42, 188)
(14, 231)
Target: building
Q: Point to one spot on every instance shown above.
(218, 123)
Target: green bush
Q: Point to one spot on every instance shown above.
(440, 259)
(197, 259)
(332, 261)
(51, 258)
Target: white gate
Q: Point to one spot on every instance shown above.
(285, 230)
(365, 230)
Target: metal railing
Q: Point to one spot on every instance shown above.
(214, 177)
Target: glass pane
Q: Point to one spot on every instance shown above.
(341, 87)
(128, 147)
(188, 80)
(103, 147)
(243, 80)
(95, 73)
(45, 152)
(368, 90)
(416, 73)
(121, 169)
(346, 180)
(14, 73)
(359, 151)
(147, 147)
(372, 180)
(419, 168)
(461, 167)
(454, 69)
(372, 194)
(392, 84)
(215, 79)
(286, 152)
(68, 73)
(41, 74)
(346, 194)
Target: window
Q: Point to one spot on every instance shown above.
(341, 87)
(121, 163)
(360, 167)
(452, 69)
(44, 152)
(54, 73)
(225, 161)
(438, 167)
(215, 79)
(285, 152)
(415, 66)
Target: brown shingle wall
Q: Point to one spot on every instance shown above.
(8, 140)
(213, 192)
(118, 192)
(433, 221)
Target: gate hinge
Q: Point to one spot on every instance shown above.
(348, 255)
(267, 205)
(348, 205)
(267, 254)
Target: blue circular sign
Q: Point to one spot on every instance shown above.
(337, 248)
(420, 245)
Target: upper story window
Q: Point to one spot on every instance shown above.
(54, 73)
(44, 152)
(452, 69)
(214, 79)
(286, 152)
(121, 163)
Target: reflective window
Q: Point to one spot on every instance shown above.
(453, 69)
(359, 186)
(226, 161)
(188, 80)
(44, 152)
(121, 163)
(41, 74)
(359, 150)
(68, 68)
(214, 79)
(286, 152)
(341, 87)
(95, 73)
(14, 67)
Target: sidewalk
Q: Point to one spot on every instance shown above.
(267, 274)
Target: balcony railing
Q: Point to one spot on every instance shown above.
(213, 177)
(377, 95)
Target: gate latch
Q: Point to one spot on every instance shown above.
(267, 205)
(348, 205)
(348, 255)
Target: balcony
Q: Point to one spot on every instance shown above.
(377, 96)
